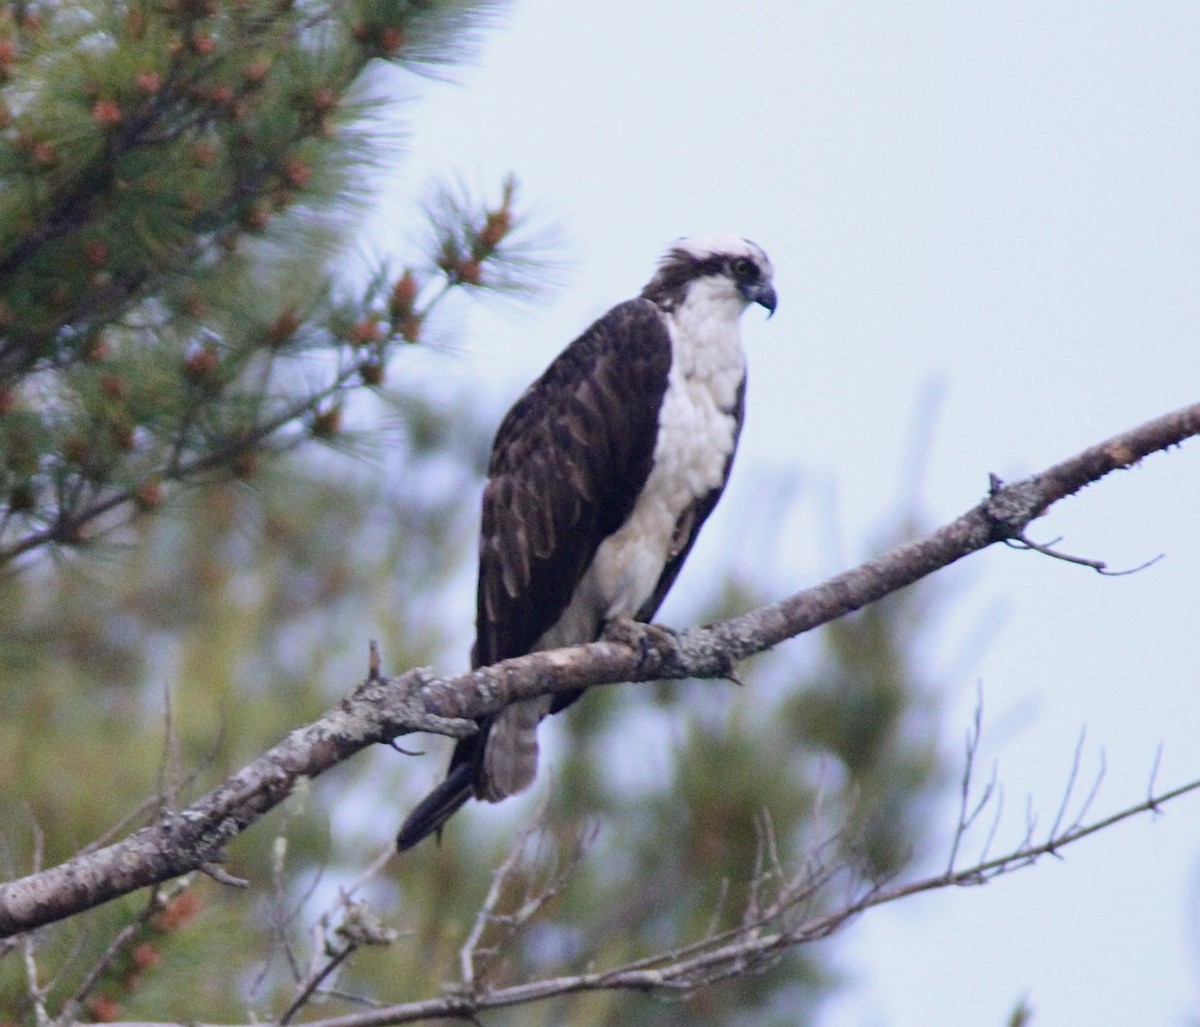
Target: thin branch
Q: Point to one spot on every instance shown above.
(159, 897)
(474, 959)
(1095, 790)
(995, 826)
(967, 814)
(682, 970)
(1099, 566)
(1070, 788)
(178, 466)
(360, 926)
(471, 955)
(36, 990)
(1158, 755)
(306, 991)
(66, 525)
(210, 869)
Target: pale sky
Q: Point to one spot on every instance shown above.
(1003, 199)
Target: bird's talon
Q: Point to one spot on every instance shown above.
(645, 638)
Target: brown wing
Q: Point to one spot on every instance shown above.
(568, 464)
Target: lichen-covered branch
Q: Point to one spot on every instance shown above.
(383, 708)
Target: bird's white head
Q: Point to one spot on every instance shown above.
(722, 271)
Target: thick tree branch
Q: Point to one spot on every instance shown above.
(384, 708)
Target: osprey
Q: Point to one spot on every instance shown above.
(600, 478)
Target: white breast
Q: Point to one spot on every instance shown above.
(696, 433)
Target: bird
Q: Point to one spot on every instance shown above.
(600, 478)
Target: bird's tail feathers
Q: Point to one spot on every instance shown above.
(432, 812)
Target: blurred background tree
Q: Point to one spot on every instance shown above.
(218, 480)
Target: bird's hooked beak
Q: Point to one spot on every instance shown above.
(762, 293)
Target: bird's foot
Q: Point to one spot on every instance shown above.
(645, 639)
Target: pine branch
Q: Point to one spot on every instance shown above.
(200, 448)
(68, 524)
(147, 142)
(147, 315)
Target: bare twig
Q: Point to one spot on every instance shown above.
(1158, 755)
(360, 926)
(337, 933)
(686, 968)
(281, 917)
(967, 814)
(472, 958)
(35, 990)
(1022, 541)
(1070, 788)
(212, 869)
(539, 888)
(156, 801)
(985, 852)
(335, 960)
(1095, 789)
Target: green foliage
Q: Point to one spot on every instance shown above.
(177, 180)
(157, 666)
(174, 181)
